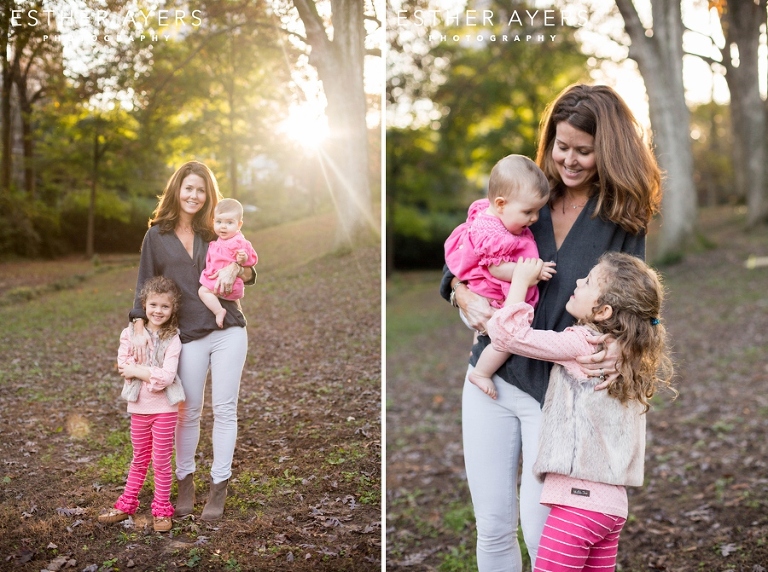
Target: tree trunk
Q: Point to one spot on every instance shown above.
(339, 64)
(29, 151)
(660, 59)
(741, 22)
(89, 239)
(5, 102)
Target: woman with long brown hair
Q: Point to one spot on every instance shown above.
(175, 246)
(605, 187)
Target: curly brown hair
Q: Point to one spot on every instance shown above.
(163, 285)
(166, 213)
(635, 293)
(628, 179)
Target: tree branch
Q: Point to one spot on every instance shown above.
(313, 24)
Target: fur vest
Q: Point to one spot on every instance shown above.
(174, 392)
(588, 434)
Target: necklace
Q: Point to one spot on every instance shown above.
(185, 229)
(581, 206)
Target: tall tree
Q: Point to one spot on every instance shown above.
(741, 23)
(37, 65)
(339, 60)
(658, 52)
(6, 81)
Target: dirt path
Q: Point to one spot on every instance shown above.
(705, 502)
(305, 493)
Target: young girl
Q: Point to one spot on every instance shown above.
(482, 252)
(592, 443)
(154, 411)
(231, 246)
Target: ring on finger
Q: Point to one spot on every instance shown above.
(602, 374)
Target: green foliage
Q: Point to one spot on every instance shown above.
(711, 142)
(217, 94)
(487, 104)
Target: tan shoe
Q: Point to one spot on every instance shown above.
(162, 523)
(112, 516)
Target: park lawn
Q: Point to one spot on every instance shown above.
(306, 486)
(704, 505)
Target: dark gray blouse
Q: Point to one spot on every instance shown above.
(162, 254)
(587, 240)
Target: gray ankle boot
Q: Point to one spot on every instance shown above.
(214, 508)
(185, 500)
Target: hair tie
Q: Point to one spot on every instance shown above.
(654, 321)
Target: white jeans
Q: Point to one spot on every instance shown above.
(224, 352)
(495, 433)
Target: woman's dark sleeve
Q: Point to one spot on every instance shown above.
(146, 271)
(252, 280)
(634, 244)
(445, 283)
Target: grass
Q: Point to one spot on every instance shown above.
(59, 396)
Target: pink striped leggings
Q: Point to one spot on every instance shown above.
(152, 439)
(575, 539)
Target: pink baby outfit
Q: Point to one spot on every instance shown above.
(222, 253)
(483, 241)
(153, 424)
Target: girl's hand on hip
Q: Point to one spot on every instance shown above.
(604, 363)
(225, 278)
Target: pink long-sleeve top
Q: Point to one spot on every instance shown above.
(510, 331)
(152, 398)
(222, 253)
(483, 241)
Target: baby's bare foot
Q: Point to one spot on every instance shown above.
(220, 317)
(484, 383)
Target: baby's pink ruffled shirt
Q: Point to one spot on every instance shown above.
(222, 253)
(483, 241)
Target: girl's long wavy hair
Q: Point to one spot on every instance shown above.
(169, 205)
(628, 179)
(163, 285)
(635, 293)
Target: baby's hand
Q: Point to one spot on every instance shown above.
(528, 270)
(241, 257)
(547, 271)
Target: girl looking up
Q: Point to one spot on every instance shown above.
(592, 443)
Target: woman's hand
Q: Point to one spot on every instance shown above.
(477, 310)
(604, 363)
(140, 342)
(225, 278)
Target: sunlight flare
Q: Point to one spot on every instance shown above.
(306, 126)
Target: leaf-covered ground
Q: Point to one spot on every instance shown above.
(704, 506)
(305, 492)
